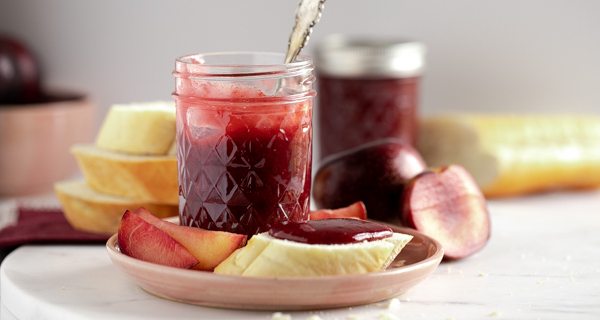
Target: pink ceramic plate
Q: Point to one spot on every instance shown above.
(416, 261)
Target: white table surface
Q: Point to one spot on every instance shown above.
(542, 262)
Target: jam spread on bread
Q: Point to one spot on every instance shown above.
(330, 231)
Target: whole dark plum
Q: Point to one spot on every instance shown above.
(19, 73)
(374, 173)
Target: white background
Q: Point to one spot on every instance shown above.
(493, 56)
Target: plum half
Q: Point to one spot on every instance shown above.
(446, 204)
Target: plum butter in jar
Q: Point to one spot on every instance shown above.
(244, 140)
(368, 90)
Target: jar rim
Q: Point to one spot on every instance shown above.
(240, 64)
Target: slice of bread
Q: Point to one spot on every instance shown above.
(151, 179)
(146, 128)
(90, 211)
(265, 256)
(511, 155)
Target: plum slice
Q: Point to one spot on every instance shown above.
(208, 246)
(356, 210)
(141, 240)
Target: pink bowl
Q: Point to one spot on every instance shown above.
(35, 141)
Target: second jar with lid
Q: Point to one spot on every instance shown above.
(368, 90)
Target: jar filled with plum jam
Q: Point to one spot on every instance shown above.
(368, 90)
(244, 140)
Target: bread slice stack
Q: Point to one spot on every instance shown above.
(132, 164)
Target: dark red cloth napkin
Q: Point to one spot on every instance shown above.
(48, 226)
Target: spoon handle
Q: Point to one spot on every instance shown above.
(308, 14)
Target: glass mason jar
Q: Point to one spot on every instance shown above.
(368, 90)
(244, 140)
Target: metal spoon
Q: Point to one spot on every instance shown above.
(308, 14)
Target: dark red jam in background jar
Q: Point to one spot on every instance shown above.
(368, 90)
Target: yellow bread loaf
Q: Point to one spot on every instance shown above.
(265, 256)
(90, 211)
(511, 155)
(139, 128)
(151, 179)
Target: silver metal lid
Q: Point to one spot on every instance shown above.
(343, 56)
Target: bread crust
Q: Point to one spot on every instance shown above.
(90, 211)
(151, 179)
